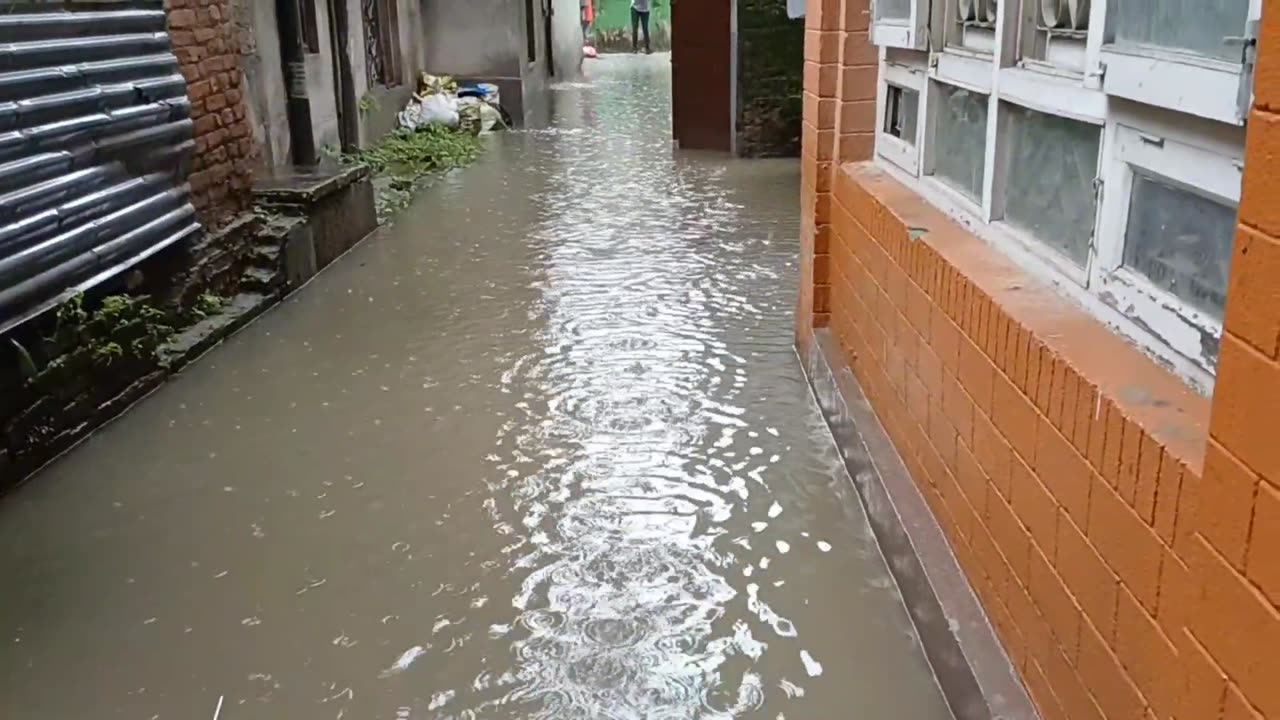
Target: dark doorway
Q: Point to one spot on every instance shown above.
(547, 12)
(701, 74)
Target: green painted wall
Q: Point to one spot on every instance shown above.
(613, 24)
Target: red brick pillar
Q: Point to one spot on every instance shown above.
(204, 40)
(859, 69)
(817, 150)
(840, 68)
(1235, 554)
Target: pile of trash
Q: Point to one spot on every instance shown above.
(441, 101)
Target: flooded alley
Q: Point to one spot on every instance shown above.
(541, 450)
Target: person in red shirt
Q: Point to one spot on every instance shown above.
(588, 17)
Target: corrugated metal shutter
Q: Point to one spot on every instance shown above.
(95, 135)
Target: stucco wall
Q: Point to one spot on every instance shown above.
(321, 89)
(567, 39)
(485, 40)
(480, 37)
(264, 80)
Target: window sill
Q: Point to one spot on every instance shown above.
(981, 289)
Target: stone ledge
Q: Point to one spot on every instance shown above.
(292, 186)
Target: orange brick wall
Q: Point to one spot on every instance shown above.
(840, 67)
(1122, 532)
(1236, 552)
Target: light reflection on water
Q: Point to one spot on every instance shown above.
(543, 450)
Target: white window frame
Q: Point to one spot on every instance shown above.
(1204, 164)
(1184, 82)
(910, 33)
(977, 206)
(910, 77)
(1050, 256)
(1090, 70)
(944, 13)
(1200, 154)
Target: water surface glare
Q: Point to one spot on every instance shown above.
(540, 451)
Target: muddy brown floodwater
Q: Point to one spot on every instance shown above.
(540, 451)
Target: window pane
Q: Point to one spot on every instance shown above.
(1181, 242)
(901, 108)
(1198, 26)
(1052, 165)
(961, 139)
(893, 9)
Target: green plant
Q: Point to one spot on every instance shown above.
(121, 327)
(415, 153)
(206, 304)
(368, 103)
(404, 158)
(107, 353)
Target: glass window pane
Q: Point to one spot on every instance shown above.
(1197, 26)
(1181, 242)
(893, 9)
(1052, 165)
(901, 108)
(961, 140)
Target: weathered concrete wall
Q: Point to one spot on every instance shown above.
(264, 89)
(566, 36)
(770, 79)
(413, 45)
(381, 104)
(1120, 529)
(477, 38)
(321, 88)
(485, 40)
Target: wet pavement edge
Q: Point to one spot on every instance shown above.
(975, 675)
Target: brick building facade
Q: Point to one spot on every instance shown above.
(207, 45)
(1119, 528)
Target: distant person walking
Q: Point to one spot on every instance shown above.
(588, 19)
(640, 21)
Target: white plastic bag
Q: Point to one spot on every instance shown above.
(439, 109)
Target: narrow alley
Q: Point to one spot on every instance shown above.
(542, 449)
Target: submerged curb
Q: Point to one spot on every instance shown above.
(975, 675)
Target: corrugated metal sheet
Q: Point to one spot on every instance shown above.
(95, 135)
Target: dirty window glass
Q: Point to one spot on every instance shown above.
(901, 109)
(1181, 242)
(961, 138)
(1190, 25)
(1052, 165)
(893, 9)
